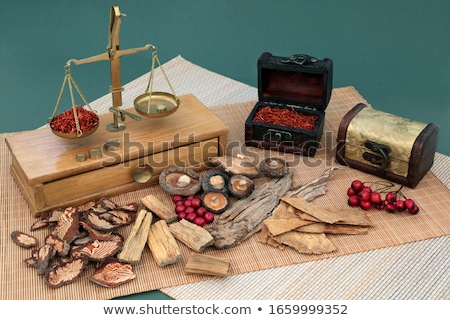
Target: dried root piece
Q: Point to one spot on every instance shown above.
(101, 250)
(67, 227)
(112, 273)
(207, 265)
(44, 255)
(195, 237)
(61, 247)
(162, 244)
(160, 209)
(24, 240)
(64, 274)
(39, 224)
(135, 243)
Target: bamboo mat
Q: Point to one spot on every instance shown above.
(255, 265)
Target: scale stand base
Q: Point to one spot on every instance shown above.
(112, 127)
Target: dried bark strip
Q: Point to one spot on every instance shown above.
(162, 244)
(246, 215)
(135, 243)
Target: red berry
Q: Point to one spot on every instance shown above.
(375, 197)
(190, 197)
(390, 207)
(400, 205)
(181, 215)
(353, 201)
(366, 189)
(187, 203)
(191, 216)
(196, 203)
(189, 210)
(380, 205)
(366, 205)
(180, 208)
(357, 185)
(414, 210)
(201, 211)
(176, 198)
(209, 217)
(199, 221)
(409, 204)
(179, 203)
(364, 196)
(391, 197)
(351, 192)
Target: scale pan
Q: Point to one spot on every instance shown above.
(156, 104)
(74, 135)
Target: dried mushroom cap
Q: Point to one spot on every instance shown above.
(64, 274)
(235, 165)
(180, 180)
(112, 273)
(216, 202)
(273, 167)
(24, 240)
(215, 181)
(241, 186)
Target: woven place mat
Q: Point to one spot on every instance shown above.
(21, 282)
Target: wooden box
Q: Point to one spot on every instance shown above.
(46, 169)
(295, 87)
(391, 147)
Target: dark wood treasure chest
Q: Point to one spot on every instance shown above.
(293, 93)
(388, 146)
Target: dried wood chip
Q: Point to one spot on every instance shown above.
(207, 265)
(108, 204)
(44, 254)
(153, 204)
(24, 240)
(94, 233)
(193, 236)
(61, 247)
(64, 274)
(95, 220)
(112, 273)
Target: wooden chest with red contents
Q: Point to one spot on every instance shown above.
(293, 93)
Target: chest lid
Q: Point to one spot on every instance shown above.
(299, 80)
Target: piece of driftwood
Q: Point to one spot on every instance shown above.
(193, 236)
(135, 243)
(160, 209)
(246, 216)
(207, 265)
(162, 244)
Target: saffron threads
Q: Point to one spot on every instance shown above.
(65, 122)
(286, 117)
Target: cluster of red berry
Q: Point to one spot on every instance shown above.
(363, 196)
(191, 209)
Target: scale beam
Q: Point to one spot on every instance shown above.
(113, 54)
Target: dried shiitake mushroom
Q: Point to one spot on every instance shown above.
(215, 181)
(235, 165)
(180, 180)
(240, 186)
(273, 167)
(216, 202)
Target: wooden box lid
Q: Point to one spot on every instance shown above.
(299, 80)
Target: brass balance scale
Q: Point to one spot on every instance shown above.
(54, 168)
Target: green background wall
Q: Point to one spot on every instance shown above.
(395, 52)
